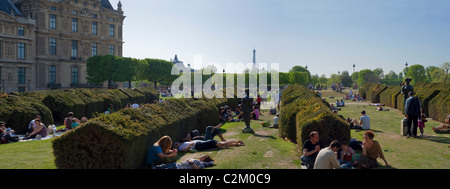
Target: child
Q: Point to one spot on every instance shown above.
(202, 162)
(421, 123)
(347, 154)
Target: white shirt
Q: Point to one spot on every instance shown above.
(135, 105)
(365, 122)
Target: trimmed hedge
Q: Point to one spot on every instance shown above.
(87, 102)
(373, 92)
(304, 111)
(434, 97)
(389, 96)
(121, 139)
(17, 112)
(439, 106)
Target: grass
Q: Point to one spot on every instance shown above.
(265, 150)
(428, 152)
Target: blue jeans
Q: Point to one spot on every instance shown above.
(167, 166)
(210, 132)
(308, 161)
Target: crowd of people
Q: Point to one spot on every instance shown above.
(340, 155)
(193, 142)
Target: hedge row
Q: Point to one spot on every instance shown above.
(303, 111)
(434, 97)
(87, 102)
(18, 109)
(121, 139)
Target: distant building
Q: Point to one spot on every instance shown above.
(45, 43)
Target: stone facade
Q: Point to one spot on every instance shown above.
(17, 52)
(64, 35)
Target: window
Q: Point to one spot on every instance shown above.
(94, 49)
(94, 15)
(20, 31)
(74, 52)
(21, 50)
(74, 75)
(1, 49)
(21, 75)
(111, 49)
(53, 21)
(52, 8)
(52, 72)
(74, 24)
(94, 28)
(74, 12)
(52, 46)
(111, 30)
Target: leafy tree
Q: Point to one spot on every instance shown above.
(417, 73)
(367, 75)
(298, 77)
(345, 79)
(156, 70)
(102, 68)
(446, 67)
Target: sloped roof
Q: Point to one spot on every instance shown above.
(7, 6)
(106, 4)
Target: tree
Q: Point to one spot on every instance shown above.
(446, 67)
(298, 77)
(156, 70)
(379, 73)
(391, 75)
(345, 79)
(416, 73)
(301, 69)
(323, 79)
(367, 75)
(103, 68)
(129, 68)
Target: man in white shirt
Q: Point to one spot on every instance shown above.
(364, 121)
(327, 157)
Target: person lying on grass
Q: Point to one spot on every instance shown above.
(202, 162)
(201, 145)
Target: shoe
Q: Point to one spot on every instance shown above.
(407, 136)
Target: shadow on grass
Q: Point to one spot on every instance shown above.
(438, 139)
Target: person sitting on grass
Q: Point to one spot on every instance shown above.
(364, 122)
(310, 150)
(347, 155)
(371, 151)
(75, 123)
(327, 157)
(40, 129)
(160, 149)
(444, 127)
(202, 162)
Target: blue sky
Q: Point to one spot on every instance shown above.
(326, 35)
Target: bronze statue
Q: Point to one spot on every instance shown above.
(406, 89)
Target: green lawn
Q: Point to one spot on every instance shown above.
(429, 152)
(265, 150)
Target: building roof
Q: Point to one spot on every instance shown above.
(8, 7)
(106, 4)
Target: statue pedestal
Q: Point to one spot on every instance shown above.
(247, 130)
(403, 126)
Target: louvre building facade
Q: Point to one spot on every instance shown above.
(45, 44)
